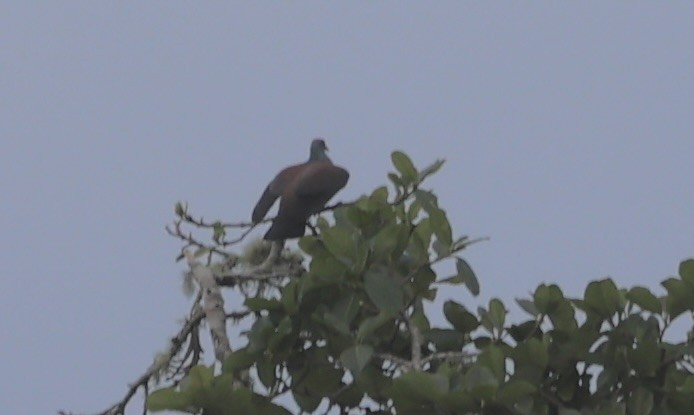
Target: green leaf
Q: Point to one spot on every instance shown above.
(405, 166)
(523, 331)
(442, 230)
(481, 382)
(342, 244)
(459, 317)
(290, 294)
(640, 402)
(356, 357)
(260, 333)
(199, 377)
(260, 303)
(645, 357)
(466, 273)
(547, 298)
(680, 297)
(397, 182)
(642, 297)
(379, 195)
(197, 384)
(313, 246)
(445, 340)
(390, 241)
(427, 200)
(282, 332)
(430, 169)
(370, 324)
(497, 313)
(513, 391)
(603, 297)
(528, 306)
(345, 307)
(686, 271)
(420, 385)
(307, 403)
(532, 352)
(169, 399)
(266, 372)
(383, 290)
(493, 358)
(238, 360)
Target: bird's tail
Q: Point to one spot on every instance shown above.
(285, 230)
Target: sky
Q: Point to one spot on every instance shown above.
(566, 129)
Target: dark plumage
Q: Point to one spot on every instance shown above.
(303, 189)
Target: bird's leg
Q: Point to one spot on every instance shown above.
(275, 252)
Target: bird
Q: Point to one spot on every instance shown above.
(303, 189)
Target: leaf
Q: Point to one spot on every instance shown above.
(686, 271)
(523, 331)
(238, 360)
(680, 297)
(307, 403)
(532, 352)
(459, 317)
(396, 181)
(383, 290)
(199, 377)
(430, 169)
(497, 313)
(445, 340)
(513, 391)
(643, 297)
(645, 357)
(427, 200)
(379, 195)
(390, 241)
(259, 334)
(169, 399)
(282, 332)
(405, 166)
(603, 297)
(356, 357)
(528, 306)
(493, 358)
(640, 402)
(341, 244)
(466, 273)
(420, 385)
(313, 246)
(266, 372)
(260, 303)
(442, 229)
(547, 298)
(370, 324)
(481, 382)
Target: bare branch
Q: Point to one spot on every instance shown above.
(157, 366)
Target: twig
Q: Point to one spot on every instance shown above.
(174, 347)
(212, 305)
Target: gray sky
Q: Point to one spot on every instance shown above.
(567, 130)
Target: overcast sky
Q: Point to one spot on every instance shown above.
(567, 130)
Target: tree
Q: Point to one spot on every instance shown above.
(349, 331)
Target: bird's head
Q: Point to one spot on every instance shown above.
(319, 151)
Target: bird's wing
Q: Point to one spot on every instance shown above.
(320, 179)
(274, 190)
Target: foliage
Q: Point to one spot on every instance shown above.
(351, 332)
